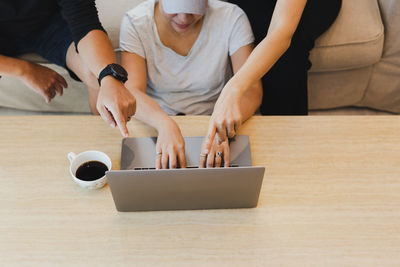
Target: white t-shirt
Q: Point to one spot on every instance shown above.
(187, 84)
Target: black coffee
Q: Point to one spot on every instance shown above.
(91, 170)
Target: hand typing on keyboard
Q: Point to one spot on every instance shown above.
(170, 147)
(217, 156)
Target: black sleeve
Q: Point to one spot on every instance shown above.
(81, 16)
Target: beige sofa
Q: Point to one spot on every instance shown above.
(355, 63)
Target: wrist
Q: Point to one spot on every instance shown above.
(232, 92)
(109, 81)
(114, 70)
(165, 123)
(22, 69)
(238, 85)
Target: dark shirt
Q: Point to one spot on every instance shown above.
(259, 14)
(18, 17)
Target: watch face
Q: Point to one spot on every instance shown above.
(118, 70)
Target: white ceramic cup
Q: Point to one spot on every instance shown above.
(78, 160)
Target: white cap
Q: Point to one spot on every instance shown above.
(185, 6)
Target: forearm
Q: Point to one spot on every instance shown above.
(96, 51)
(12, 66)
(149, 111)
(284, 22)
(251, 101)
(261, 60)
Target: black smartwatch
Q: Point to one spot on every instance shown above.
(115, 70)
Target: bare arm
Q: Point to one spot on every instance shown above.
(115, 103)
(147, 110)
(40, 79)
(226, 118)
(12, 66)
(96, 51)
(283, 25)
(251, 100)
(226, 121)
(235, 103)
(170, 143)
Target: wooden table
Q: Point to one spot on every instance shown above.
(330, 197)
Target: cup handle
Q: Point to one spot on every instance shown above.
(71, 156)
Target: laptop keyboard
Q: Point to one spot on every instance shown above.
(188, 167)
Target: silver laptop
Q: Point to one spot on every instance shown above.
(139, 187)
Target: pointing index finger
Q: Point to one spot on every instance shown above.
(121, 122)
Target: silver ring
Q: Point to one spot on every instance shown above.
(218, 154)
(203, 155)
(158, 153)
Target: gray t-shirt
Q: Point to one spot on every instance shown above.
(187, 84)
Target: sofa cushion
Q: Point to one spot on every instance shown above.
(355, 40)
(333, 89)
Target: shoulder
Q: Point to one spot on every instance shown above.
(224, 9)
(141, 14)
(223, 17)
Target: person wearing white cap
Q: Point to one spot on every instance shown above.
(179, 54)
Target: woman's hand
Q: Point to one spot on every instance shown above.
(217, 157)
(227, 116)
(225, 120)
(170, 148)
